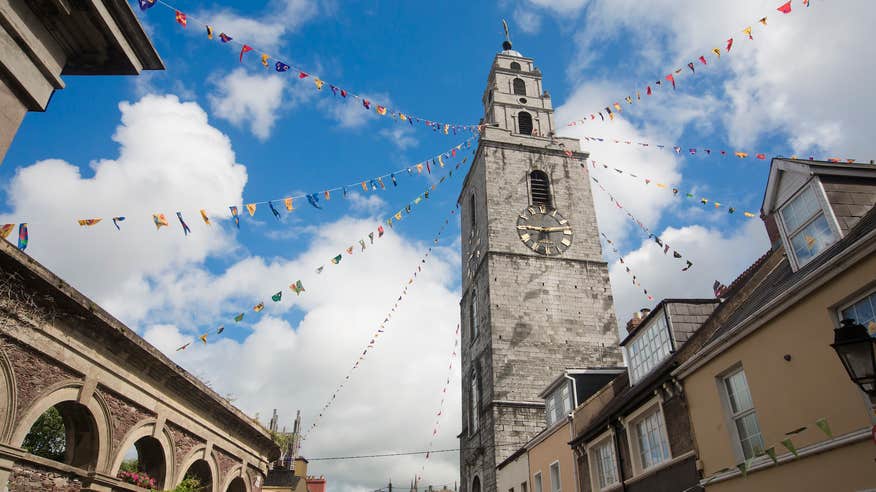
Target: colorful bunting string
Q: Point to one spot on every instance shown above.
(672, 77)
(660, 242)
(770, 452)
(381, 328)
(282, 67)
(626, 267)
(298, 287)
(708, 152)
(368, 184)
(441, 408)
(23, 236)
(674, 189)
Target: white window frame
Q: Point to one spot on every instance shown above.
(636, 366)
(630, 423)
(830, 218)
(854, 300)
(731, 417)
(605, 439)
(523, 487)
(537, 483)
(555, 487)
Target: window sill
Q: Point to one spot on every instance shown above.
(656, 468)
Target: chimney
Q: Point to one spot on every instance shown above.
(633, 323)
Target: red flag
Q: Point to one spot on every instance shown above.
(761, 156)
(671, 79)
(703, 60)
(243, 50)
(302, 75)
(729, 45)
(648, 91)
(786, 8)
(181, 18)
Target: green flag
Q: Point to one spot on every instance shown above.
(790, 447)
(276, 297)
(238, 318)
(771, 452)
(824, 426)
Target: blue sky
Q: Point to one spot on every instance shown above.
(212, 132)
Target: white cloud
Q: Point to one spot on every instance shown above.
(266, 32)
(170, 159)
(716, 256)
(527, 20)
(402, 136)
(389, 404)
(249, 99)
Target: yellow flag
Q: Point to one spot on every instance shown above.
(717, 51)
(763, 21)
(747, 31)
(5, 229)
(204, 216)
(398, 215)
(258, 307)
(402, 117)
(748, 214)
(440, 161)
(660, 185)
(288, 202)
(319, 83)
(251, 208)
(203, 338)
(419, 169)
(364, 186)
(265, 59)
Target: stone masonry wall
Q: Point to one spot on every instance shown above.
(30, 478)
(124, 415)
(33, 371)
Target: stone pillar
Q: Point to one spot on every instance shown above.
(12, 112)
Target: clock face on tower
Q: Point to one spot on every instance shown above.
(544, 230)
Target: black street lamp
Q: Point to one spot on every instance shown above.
(857, 351)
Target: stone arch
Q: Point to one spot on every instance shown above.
(141, 430)
(8, 398)
(519, 87)
(540, 188)
(524, 123)
(476, 484)
(195, 457)
(236, 475)
(66, 394)
(515, 66)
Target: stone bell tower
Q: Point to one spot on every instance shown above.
(536, 297)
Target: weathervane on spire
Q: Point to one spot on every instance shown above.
(506, 45)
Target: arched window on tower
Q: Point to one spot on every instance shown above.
(473, 315)
(515, 66)
(540, 188)
(472, 218)
(519, 87)
(475, 398)
(524, 123)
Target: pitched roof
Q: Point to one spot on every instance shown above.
(782, 278)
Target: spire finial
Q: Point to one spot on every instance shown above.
(506, 45)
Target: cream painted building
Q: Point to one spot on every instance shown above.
(769, 373)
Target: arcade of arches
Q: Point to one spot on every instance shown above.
(75, 414)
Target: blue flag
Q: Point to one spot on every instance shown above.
(274, 210)
(185, 227)
(116, 221)
(314, 200)
(281, 67)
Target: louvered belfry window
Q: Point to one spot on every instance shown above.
(524, 121)
(519, 87)
(541, 189)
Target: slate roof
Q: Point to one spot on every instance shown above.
(782, 278)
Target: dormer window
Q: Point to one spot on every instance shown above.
(806, 226)
(651, 345)
(515, 66)
(519, 87)
(558, 404)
